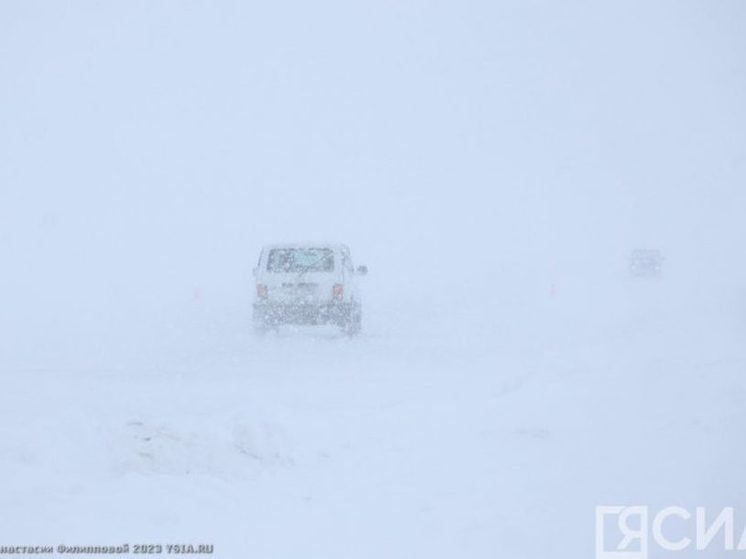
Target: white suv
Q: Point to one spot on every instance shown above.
(307, 284)
(646, 263)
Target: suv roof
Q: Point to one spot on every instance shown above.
(335, 246)
(646, 252)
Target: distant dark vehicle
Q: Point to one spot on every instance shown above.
(646, 263)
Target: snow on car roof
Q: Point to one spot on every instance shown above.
(646, 251)
(335, 246)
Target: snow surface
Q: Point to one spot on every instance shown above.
(492, 163)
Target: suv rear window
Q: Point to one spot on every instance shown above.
(296, 260)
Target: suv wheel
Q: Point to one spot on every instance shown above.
(354, 322)
(259, 324)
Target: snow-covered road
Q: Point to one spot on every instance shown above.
(481, 436)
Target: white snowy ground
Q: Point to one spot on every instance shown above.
(475, 429)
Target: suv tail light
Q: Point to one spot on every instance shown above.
(261, 291)
(338, 291)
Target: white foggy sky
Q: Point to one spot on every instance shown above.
(562, 130)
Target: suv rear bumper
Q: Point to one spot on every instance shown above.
(271, 314)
